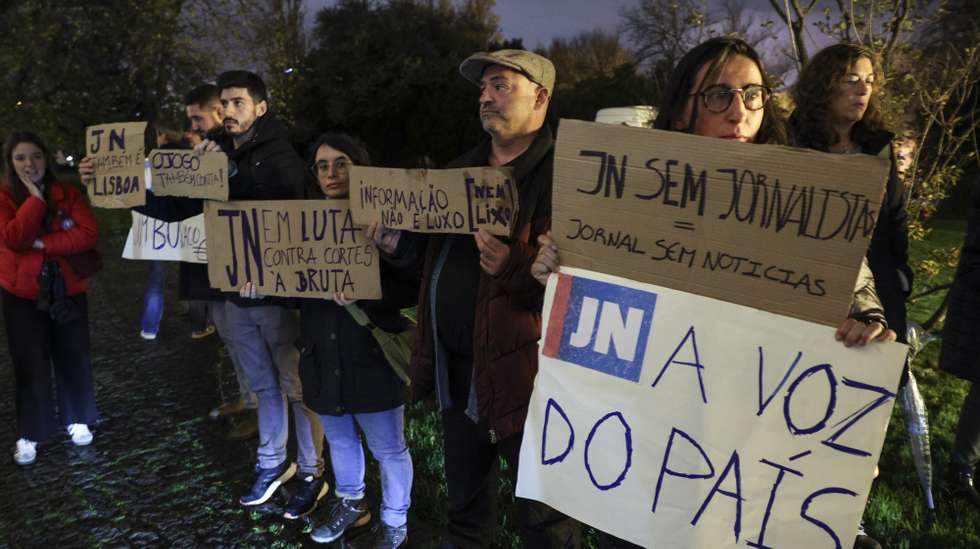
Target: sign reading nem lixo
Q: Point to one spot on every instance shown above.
(189, 173)
(153, 239)
(674, 420)
(118, 153)
(293, 248)
(779, 229)
(458, 201)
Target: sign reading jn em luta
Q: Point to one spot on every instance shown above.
(291, 248)
(118, 152)
(770, 227)
(189, 173)
(459, 201)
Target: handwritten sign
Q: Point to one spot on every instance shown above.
(458, 201)
(774, 228)
(674, 420)
(157, 240)
(118, 152)
(293, 248)
(189, 173)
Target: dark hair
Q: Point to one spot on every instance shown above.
(173, 132)
(244, 79)
(16, 187)
(203, 95)
(714, 53)
(810, 123)
(343, 142)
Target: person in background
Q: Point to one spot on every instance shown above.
(42, 222)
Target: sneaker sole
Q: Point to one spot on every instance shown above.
(323, 492)
(364, 520)
(285, 476)
(28, 462)
(83, 442)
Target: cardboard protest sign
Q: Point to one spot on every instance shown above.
(152, 239)
(189, 173)
(775, 228)
(674, 420)
(458, 201)
(119, 153)
(292, 248)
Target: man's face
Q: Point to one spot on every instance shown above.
(204, 119)
(510, 104)
(240, 110)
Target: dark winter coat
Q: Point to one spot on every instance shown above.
(342, 367)
(961, 335)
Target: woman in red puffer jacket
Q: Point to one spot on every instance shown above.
(42, 223)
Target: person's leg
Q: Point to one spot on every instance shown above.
(72, 357)
(28, 338)
(198, 311)
(219, 316)
(540, 525)
(153, 299)
(279, 327)
(471, 480)
(966, 448)
(346, 455)
(385, 434)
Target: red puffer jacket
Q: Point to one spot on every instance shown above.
(73, 230)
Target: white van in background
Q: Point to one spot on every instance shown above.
(638, 116)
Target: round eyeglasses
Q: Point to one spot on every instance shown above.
(322, 167)
(718, 99)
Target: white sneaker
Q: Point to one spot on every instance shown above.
(80, 435)
(26, 452)
(149, 336)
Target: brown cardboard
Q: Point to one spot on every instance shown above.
(118, 152)
(457, 201)
(292, 248)
(188, 173)
(679, 232)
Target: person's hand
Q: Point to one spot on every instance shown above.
(339, 299)
(86, 170)
(32, 188)
(249, 291)
(547, 260)
(207, 145)
(854, 332)
(493, 252)
(384, 238)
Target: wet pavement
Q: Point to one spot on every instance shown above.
(159, 473)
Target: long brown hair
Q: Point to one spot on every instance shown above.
(714, 53)
(12, 181)
(816, 88)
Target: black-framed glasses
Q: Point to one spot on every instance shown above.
(718, 99)
(322, 167)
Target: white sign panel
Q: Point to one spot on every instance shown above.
(674, 420)
(152, 239)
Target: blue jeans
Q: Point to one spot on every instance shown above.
(263, 338)
(219, 317)
(385, 434)
(153, 298)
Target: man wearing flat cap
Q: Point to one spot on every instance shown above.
(479, 311)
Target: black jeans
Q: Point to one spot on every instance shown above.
(36, 342)
(472, 471)
(966, 449)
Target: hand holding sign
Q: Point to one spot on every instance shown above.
(854, 332)
(384, 238)
(493, 252)
(547, 260)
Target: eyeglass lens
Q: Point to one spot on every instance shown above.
(718, 99)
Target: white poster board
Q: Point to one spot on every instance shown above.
(152, 239)
(681, 421)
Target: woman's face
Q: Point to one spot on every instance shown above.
(332, 171)
(735, 122)
(28, 161)
(852, 93)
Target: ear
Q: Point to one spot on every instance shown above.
(261, 108)
(541, 99)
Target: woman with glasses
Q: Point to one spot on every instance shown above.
(347, 380)
(42, 223)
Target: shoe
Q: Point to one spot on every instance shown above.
(304, 501)
(382, 536)
(147, 335)
(244, 428)
(26, 452)
(80, 435)
(228, 409)
(961, 480)
(864, 541)
(343, 515)
(201, 334)
(266, 483)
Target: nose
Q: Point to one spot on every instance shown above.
(736, 111)
(485, 96)
(863, 87)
